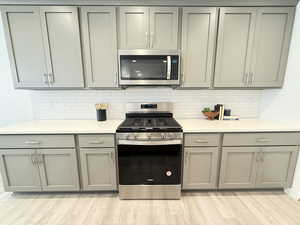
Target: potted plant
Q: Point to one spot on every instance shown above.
(210, 115)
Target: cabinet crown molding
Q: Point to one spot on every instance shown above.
(156, 2)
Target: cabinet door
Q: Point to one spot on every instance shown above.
(134, 27)
(25, 45)
(98, 168)
(272, 39)
(200, 168)
(100, 46)
(19, 170)
(276, 167)
(58, 169)
(163, 27)
(198, 45)
(62, 44)
(238, 167)
(235, 41)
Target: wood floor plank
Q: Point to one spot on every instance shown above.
(194, 208)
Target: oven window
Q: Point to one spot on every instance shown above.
(143, 67)
(149, 165)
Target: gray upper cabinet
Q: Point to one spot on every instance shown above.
(200, 168)
(238, 167)
(276, 167)
(163, 27)
(58, 169)
(19, 170)
(253, 46)
(148, 27)
(235, 43)
(272, 41)
(51, 55)
(134, 27)
(198, 45)
(62, 45)
(99, 34)
(98, 168)
(25, 46)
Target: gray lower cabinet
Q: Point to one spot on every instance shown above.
(200, 168)
(276, 166)
(51, 55)
(58, 169)
(99, 32)
(98, 168)
(238, 167)
(198, 45)
(258, 167)
(39, 170)
(19, 170)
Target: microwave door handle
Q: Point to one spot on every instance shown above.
(168, 67)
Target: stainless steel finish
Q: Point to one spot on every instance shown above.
(128, 142)
(150, 191)
(32, 142)
(247, 79)
(136, 107)
(150, 136)
(149, 82)
(148, 52)
(168, 67)
(152, 39)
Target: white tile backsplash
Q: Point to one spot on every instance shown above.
(187, 103)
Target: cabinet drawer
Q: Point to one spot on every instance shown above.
(202, 139)
(37, 141)
(90, 141)
(261, 139)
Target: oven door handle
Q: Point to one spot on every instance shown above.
(164, 142)
(169, 67)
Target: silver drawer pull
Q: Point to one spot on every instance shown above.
(263, 140)
(32, 142)
(201, 141)
(96, 142)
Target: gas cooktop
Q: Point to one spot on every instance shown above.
(150, 122)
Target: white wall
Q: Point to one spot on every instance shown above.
(15, 105)
(283, 104)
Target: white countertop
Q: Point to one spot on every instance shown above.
(110, 126)
(243, 125)
(62, 127)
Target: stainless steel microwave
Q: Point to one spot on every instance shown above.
(149, 67)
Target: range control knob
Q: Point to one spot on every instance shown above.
(169, 173)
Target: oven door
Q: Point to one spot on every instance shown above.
(150, 164)
(148, 68)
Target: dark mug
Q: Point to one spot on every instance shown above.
(101, 115)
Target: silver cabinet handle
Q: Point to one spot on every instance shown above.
(51, 79)
(152, 40)
(46, 78)
(32, 142)
(116, 78)
(262, 158)
(186, 156)
(252, 78)
(263, 139)
(40, 158)
(247, 79)
(33, 158)
(112, 156)
(147, 39)
(201, 141)
(96, 142)
(169, 67)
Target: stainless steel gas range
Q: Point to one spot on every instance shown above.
(149, 144)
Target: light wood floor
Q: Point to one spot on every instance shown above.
(201, 208)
